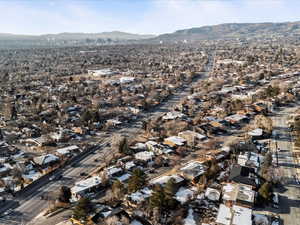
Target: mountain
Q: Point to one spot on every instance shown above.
(114, 35)
(68, 39)
(234, 30)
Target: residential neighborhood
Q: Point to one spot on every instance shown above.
(186, 133)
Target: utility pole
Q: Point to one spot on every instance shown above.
(276, 152)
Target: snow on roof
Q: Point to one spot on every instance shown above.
(242, 215)
(212, 194)
(83, 185)
(5, 167)
(125, 80)
(124, 177)
(115, 122)
(135, 222)
(229, 192)
(257, 132)
(33, 175)
(224, 215)
(145, 155)
(140, 195)
(129, 165)
(190, 220)
(232, 192)
(44, 159)
(236, 117)
(113, 170)
(245, 193)
(164, 179)
(184, 194)
(260, 219)
(183, 134)
(139, 146)
(226, 149)
(175, 140)
(173, 115)
(101, 72)
(67, 150)
(236, 214)
(193, 168)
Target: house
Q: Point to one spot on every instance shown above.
(144, 156)
(67, 151)
(114, 171)
(127, 80)
(5, 169)
(249, 159)
(244, 175)
(174, 141)
(162, 180)
(46, 160)
(193, 170)
(83, 187)
(235, 215)
(191, 137)
(256, 134)
(40, 141)
(157, 148)
(184, 194)
(212, 194)
(102, 72)
(237, 119)
(173, 115)
(136, 198)
(238, 194)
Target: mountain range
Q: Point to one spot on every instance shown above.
(222, 31)
(235, 30)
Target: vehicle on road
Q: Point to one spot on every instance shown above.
(55, 177)
(6, 213)
(83, 174)
(275, 201)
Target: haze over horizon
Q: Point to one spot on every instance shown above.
(33, 17)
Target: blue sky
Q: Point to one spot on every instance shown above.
(137, 16)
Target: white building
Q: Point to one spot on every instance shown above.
(85, 186)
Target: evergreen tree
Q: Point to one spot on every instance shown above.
(64, 194)
(170, 191)
(158, 198)
(265, 191)
(83, 208)
(118, 190)
(137, 180)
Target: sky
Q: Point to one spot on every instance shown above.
(137, 16)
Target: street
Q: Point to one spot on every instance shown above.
(289, 202)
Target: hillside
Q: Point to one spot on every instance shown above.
(68, 39)
(234, 30)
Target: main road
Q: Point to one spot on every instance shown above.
(32, 205)
(289, 201)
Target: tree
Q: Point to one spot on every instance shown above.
(264, 123)
(265, 192)
(65, 194)
(118, 190)
(213, 169)
(83, 208)
(170, 191)
(158, 198)
(121, 144)
(87, 116)
(163, 198)
(137, 180)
